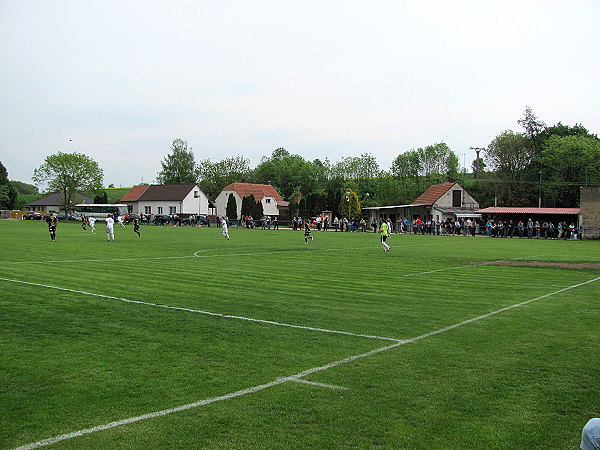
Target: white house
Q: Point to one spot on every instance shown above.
(438, 202)
(273, 204)
(167, 199)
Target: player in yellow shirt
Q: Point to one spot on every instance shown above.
(384, 232)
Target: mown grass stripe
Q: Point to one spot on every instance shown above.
(293, 378)
(208, 313)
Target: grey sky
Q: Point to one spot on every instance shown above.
(324, 79)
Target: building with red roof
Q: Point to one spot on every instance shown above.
(166, 199)
(273, 204)
(438, 202)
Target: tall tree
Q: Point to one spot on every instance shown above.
(452, 167)
(179, 167)
(248, 205)
(350, 205)
(69, 174)
(258, 210)
(9, 195)
(533, 127)
(231, 208)
(407, 166)
(567, 163)
(215, 176)
(288, 173)
(510, 155)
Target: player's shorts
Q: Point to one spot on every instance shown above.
(383, 238)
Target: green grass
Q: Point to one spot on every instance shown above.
(116, 194)
(523, 378)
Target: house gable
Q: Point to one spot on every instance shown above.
(167, 199)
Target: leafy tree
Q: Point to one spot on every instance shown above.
(407, 166)
(289, 173)
(533, 127)
(248, 205)
(357, 171)
(9, 195)
(179, 167)
(69, 173)
(257, 210)
(101, 198)
(566, 163)
(478, 166)
(388, 190)
(231, 208)
(452, 167)
(349, 205)
(294, 208)
(565, 130)
(3, 174)
(510, 154)
(215, 176)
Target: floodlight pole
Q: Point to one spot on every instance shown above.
(477, 150)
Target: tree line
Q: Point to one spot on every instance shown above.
(517, 168)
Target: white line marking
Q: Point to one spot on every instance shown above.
(195, 255)
(323, 385)
(198, 311)
(293, 378)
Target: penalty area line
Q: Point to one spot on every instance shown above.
(293, 378)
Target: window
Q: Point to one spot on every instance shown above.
(147, 209)
(160, 210)
(196, 195)
(267, 200)
(172, 209)
(456, 198)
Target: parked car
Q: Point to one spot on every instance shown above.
(32, 215)
(202, 220)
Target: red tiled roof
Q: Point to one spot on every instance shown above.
(528, 210)
(134, 194)
(258, 190)
(433, 193)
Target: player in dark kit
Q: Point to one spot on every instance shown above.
(83, 222)
(307, 231)
(52, 224)
(136, 226)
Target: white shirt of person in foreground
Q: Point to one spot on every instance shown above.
(110, 232)
(590, 436)
(224, 229)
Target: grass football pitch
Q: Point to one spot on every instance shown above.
(182, 339)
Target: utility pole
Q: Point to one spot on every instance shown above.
(477, 150)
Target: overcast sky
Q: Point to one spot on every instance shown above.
(119, 80)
